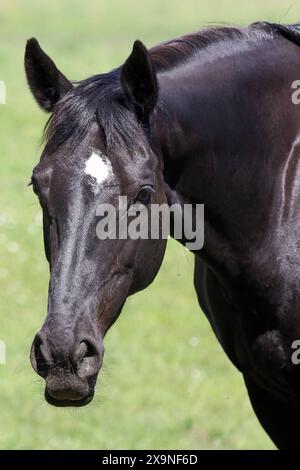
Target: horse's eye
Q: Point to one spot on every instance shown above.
(144, 195)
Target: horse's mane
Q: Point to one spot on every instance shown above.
(100, 96)
(170, 53)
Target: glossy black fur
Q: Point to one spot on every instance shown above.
(213, 117)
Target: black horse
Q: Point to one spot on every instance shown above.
(206, 118)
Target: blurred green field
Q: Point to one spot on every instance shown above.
(165, 382)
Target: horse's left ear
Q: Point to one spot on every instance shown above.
(47, 83)
(139, 80)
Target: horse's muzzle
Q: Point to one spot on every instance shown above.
(70, 376)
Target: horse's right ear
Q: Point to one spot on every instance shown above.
(47, 83)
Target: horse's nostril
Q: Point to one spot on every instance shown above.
(39, 356)
(85, 349)
(84, 362)
(81, 352)
(88, 358)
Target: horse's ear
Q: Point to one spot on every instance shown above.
(139, 80)
(47, 83)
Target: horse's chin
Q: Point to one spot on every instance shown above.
(65, 402)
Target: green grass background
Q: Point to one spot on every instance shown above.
(165, 382)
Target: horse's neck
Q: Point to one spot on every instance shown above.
(223, 154)
(186, 159)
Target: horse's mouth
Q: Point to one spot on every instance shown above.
(63, 403)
